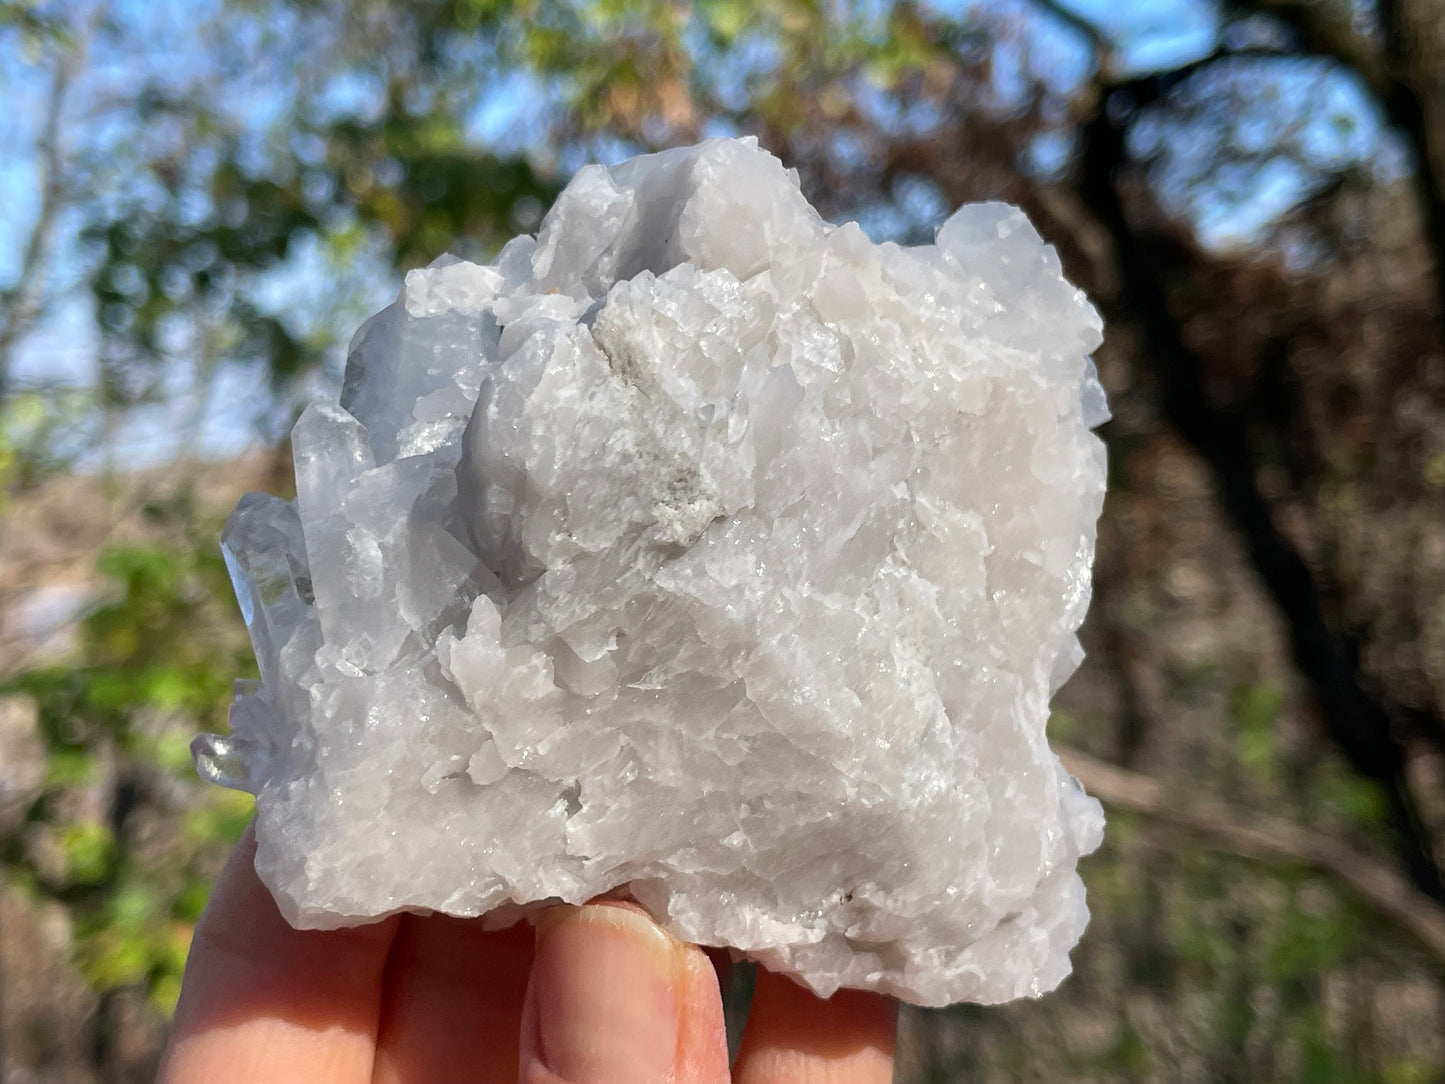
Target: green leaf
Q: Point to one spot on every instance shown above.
(89, 849)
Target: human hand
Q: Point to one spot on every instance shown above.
(596, 995)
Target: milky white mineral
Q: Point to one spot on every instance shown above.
(704, 547)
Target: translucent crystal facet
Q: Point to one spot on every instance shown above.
(699, 546)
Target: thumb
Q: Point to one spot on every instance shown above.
(615, 999)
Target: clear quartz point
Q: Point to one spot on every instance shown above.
(243, 759)
(227, 761)
(265, 552)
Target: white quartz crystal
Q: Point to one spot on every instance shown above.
(699, 546)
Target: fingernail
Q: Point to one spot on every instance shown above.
(605, 983)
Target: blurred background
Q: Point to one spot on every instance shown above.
(199, 201)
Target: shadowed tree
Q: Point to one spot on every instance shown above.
(1251, 192)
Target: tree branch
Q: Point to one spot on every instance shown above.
(1327, 32)
(1388, 79)
(23, 304)
(1261, 837)
(1086, 28)
(1360, 725)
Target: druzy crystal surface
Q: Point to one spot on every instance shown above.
(703, 547)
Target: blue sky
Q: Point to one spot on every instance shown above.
(1309, 119)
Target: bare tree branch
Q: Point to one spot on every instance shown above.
(1389, 78)
(1359, 723)
(23, 304)
(1103, 47)
(1323, 29)
(1374, 883)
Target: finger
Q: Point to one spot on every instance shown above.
(613, 999)
(793, 1037)
(452, 1006)
(264, 1002)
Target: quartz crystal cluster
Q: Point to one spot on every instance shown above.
(703, 547)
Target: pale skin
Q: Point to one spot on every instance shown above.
(591, 995)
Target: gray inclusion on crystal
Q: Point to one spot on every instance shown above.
(700, 546)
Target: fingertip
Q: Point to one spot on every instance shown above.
(794, 1036)
(452, 1002)
(615, 999)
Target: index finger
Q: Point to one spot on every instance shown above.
(264, 1001)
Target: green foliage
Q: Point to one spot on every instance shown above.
(15, 417)
(1412, 1071)
(35, 23)
(34, 429)
(1255, 709)
(1359, 801)
(1128, 1056)
(123, 832)
(89, 849)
